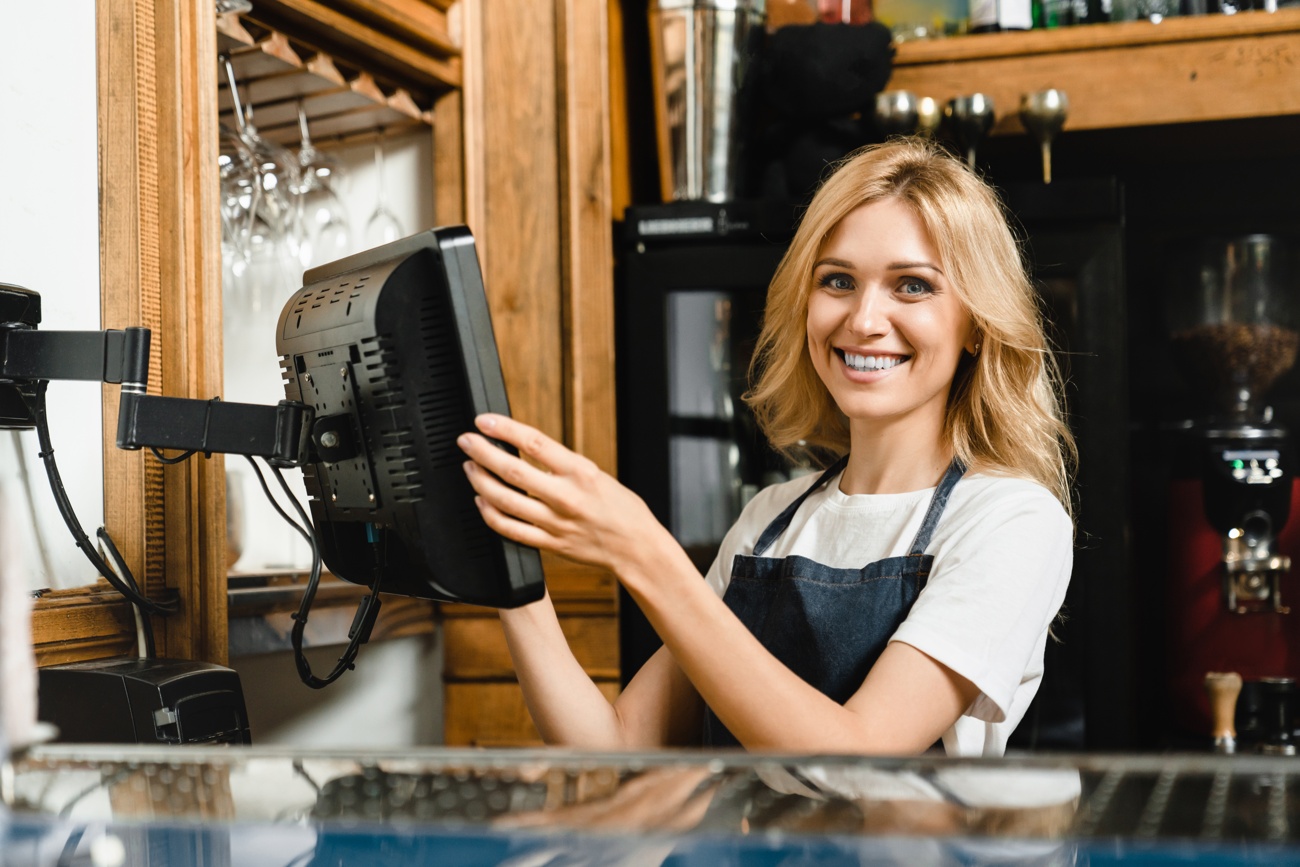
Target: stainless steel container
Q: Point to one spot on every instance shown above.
(700, 51)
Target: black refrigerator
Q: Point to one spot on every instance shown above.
(691, 282)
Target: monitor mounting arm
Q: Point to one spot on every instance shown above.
(279, 433)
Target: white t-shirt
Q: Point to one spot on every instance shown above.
(1002, 550)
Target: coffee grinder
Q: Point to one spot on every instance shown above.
(1232, 329)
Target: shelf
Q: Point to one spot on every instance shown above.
(342, 104)
(1135, 73)
(409, 42)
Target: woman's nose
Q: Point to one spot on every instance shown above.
(870, 314)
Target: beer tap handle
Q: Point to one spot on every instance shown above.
(1223, 689)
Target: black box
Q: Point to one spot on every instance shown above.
(144, 701)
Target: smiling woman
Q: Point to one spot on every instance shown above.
(905, 596)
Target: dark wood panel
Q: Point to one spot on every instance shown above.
(493, 715)
(476, 647)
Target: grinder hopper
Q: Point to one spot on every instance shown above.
(1232, 321)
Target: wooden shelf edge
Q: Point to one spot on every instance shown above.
(1115, 86)
(328, 30)
(414, 21)
(82, 623)
(1094, 37)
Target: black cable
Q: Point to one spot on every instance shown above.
(302, 529)
(179, 459)
(362, 621)
(126, 584)
(367, 608)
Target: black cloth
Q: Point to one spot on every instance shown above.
(814, 92)
(818, 72)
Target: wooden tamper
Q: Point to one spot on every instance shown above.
(1223, 689)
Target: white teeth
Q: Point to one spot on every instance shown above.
(871, 362)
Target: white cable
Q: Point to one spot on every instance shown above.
(141, 646)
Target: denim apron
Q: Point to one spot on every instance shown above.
(829, 626)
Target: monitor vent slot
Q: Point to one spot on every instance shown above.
(393, 432)
(480, 542)
(324, 306)
(444, 413)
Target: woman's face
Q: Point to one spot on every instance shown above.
(885, 327)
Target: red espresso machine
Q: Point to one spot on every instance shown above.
(1234, 518)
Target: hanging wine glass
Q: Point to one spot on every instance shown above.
(383, 226)
(239, 184)
(268, 273)
(240, 190)
(321, 231)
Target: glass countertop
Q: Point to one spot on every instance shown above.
(556, 807)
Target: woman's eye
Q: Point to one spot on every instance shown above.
(915, 287)
(836, 282)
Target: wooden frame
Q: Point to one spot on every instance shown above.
(537, 192)
(159, 266)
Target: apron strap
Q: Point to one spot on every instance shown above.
(922, 541)
(777, 527)
(937, 504)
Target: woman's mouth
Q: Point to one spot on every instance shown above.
(867, 363)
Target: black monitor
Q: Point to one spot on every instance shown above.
(393, 350)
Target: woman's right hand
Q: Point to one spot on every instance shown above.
(565, 504)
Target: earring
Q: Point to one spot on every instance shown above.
(976, 351)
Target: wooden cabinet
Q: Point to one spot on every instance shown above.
(517, 113)
(538, 194)
(483, 703)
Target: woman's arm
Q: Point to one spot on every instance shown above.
(573, 508)
(658, 708)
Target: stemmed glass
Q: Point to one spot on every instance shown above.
(1043, 113)
(971, 118)
(266, 272)
(322, 232)
(240, 190)
(383, 225)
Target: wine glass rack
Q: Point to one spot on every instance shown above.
(344, 102)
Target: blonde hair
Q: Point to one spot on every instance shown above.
(1004, 408)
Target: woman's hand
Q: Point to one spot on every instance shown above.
(568, 505)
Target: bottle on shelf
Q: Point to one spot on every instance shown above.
(990, 16)
(923, 19)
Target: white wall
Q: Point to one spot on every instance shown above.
(392, 699)
(49, 242)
